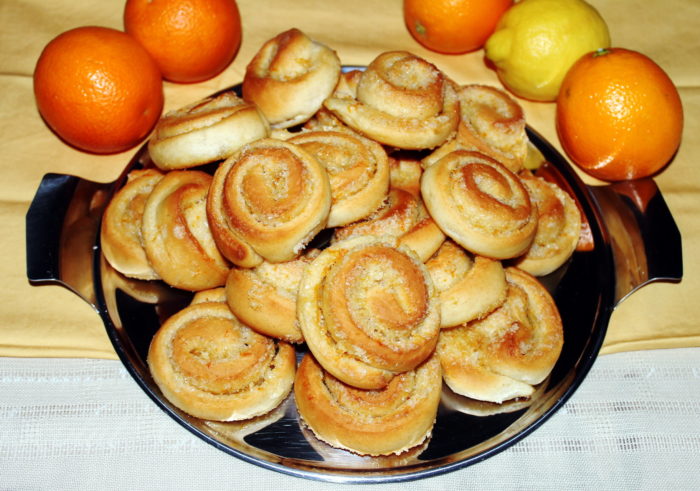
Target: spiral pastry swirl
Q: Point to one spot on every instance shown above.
(470, 287)
(267, 202)
(265, 297)
(120, 232)
(491, 122)
(358, 170)
(558, 227)
(205, 131)
(289, 78)
(400, 100)
(176, 235)
(368, 310)
(480, 204)
(376, 422)
(505, 354)
(403, 215)
(210, 365)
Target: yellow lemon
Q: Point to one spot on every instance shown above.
(537, 41)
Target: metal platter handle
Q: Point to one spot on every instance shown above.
(62, 224)
(645, 240)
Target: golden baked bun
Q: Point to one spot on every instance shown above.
(217, 294)
(176, 235)
(265, 297)
(267, 201)
(358, 169)
(324, 119)
(384, 421)
(558, 227)
(491, 122)
(405, 173)
(289, 78)
(403, 216)
(400, 100)
(211, 366)
(480, 204)
(505, 354)
(205, 131)
(470, 287)
(120, 232)
(368, 310)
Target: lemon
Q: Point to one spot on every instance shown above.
(537, 41)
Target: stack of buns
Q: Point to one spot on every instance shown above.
(380, 223)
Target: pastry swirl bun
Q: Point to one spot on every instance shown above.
(480, 204)
(558, 227)
(491, 122)
(211, 366)
(217, 294)
(289, 78)
(205, 131)
(400, 100)
(358, 169)
(368, 310)
(403, 216)
(470, 287)
(268, 201)
(120, 232)
(505, 354)
(405, 173)
(384, 421)
(176, 235)
(265, 297)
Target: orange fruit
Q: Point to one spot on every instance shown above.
(453, 26)
(98, 89)
(191, 40)
(619, 116)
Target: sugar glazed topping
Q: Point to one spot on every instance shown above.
(367, 306)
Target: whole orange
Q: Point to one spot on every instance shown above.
(619, 116)
(98, 89)
(453, 26)
(191, 40)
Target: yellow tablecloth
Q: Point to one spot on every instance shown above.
(49, 321)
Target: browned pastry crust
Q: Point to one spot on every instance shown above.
(368, 310)
(470, 287)
(558, 227)
(265, 297)
(217, 294)
(176, 235)
(505, 354)
(205, 131)
(480, 204)
(324, 119)
(403, 216)
(268, 201)
(405, 173)
(400, 100)
(289, 78)
(492, 123)
(120, 232)
(369, 422)
(210, 365)
(358, 169)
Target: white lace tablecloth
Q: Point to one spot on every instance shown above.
(85, 424)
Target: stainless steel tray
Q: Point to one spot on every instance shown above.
(633, 241)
